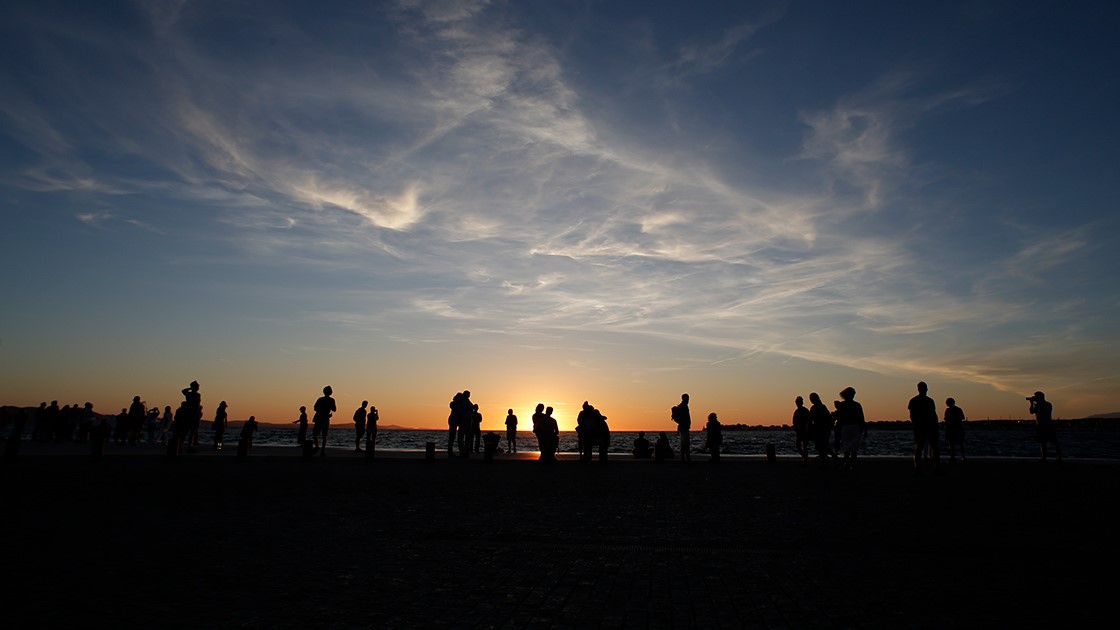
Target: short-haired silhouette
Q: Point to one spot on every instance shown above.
(511, 431)
(321, 421)
(1045, 431)
(301, 433)
(802, 428)
(954, 428)
(715, 436)
(923, 417)
(642, 449)
(360, 426)
(683, 418)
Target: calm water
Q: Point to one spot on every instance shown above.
(979, 442)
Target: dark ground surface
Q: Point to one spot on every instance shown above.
(208, 541)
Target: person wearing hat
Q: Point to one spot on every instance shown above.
(1043, 413)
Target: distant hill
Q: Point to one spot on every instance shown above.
(1104, 416)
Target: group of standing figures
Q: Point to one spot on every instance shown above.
(365, 425)
(840, 430)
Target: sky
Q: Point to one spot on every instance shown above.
(557, 201)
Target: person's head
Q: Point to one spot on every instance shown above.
(365, 403)
(815, 398)
(466, 393)
(950, 402)
(167, 409)
(799, 401)
(586, 405)
(303, 409)
(135, 399)
(548, 411)
(641, 434)
(848, 393)
(509, 412)
(223, 404)
(922, 387)
(327, 390)
(662, 436)
(252, 418)
(1039, 396)
(684, 398)
(89, 405)
(194, 386)
(712, 417)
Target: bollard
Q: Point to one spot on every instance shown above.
(308, 450)
(430, 451)
(771, 457)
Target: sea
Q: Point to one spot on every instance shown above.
(1005, 442)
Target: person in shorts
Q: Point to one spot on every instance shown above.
(923, 417)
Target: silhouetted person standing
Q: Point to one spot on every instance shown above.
(247, 431)
(715, 436)
(802, 428)
(371, 431)
(683, 419)
(822, 427)
(601, 432)
(552, 431)
(192, 415)
(1045, 431)
(954, 428)
(360, 426)
(301, 433)
(221, 418)
(851, 425)
(585, 432)
(476, 427)
(923, 416)
(324, 407)
(511, 432)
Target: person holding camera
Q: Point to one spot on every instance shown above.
(1045, 431)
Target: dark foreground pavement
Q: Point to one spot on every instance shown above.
(339, 542)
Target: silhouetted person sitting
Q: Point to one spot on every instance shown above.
(642, 449)
(663, 450)
(715, 436)
(324, 407)
(923, 416)
(490, 443)
(1045, 431)
(954, 428)
(683, 418)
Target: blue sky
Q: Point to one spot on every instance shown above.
(560, 200)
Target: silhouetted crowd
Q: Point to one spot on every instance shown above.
(835, 435)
